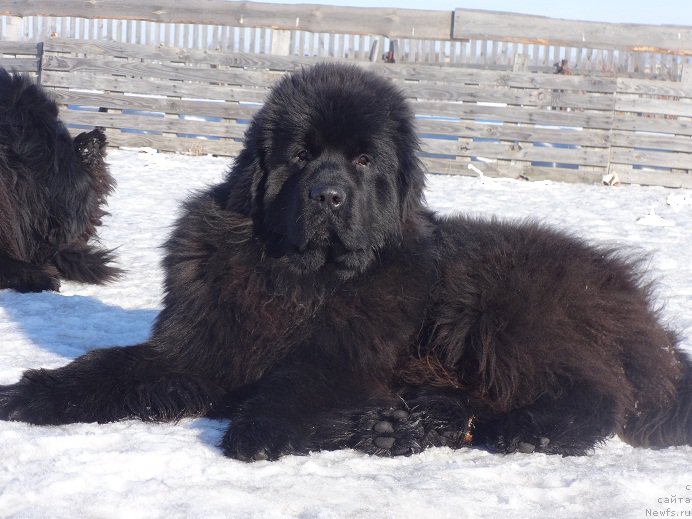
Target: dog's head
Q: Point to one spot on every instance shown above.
(330, 165)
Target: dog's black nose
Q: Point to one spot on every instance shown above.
(328, 195)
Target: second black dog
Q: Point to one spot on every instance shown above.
(52, 190)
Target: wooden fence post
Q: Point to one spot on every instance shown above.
(686, 79)
(39, 62)
(520, 63)
(611, 177)
(14, 29)
(374, 50)
(281, 42)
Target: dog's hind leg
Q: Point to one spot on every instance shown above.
(570, 424)
(665, 423)
(105, 385)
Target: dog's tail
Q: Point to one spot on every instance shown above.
(670, 424)
(86, 264)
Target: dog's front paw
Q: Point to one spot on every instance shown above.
(389, 431)
(14, 404)
(36, 399)
(525, 445)
(257, 439)
(520, 433)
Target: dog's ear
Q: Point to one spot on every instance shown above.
(411, 174)
(411, 180)
(411, 186)
(246, 177)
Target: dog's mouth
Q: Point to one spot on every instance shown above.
(329, 246)
(324, 239)
(326, 251)
(316, 244)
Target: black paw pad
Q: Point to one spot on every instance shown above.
(260, 455)
(400, 415)
(384, 442)
(383, 427)
(527, 447)
(390, 432)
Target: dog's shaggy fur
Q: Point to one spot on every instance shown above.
(52, 189)
(314, 300)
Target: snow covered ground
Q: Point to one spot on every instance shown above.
(135, 470)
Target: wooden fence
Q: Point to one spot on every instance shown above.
(21, 56)
(463, 37)
(503, 123)
(188, 77)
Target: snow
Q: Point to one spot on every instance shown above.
(132, 469)
(654, 220)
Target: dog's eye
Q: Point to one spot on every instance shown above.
(302, 155)
(363, 160)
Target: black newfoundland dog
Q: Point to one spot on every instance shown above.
(314, 300)
(51, 192)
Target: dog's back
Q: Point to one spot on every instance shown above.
(19, 92)
(23, 112)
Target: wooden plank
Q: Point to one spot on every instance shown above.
(686, 76)
(653, 106)
(188, 56)
(102, 49)
(520, 63)
(629, 175)
(18, 47)
(168, 70)
(521, 170)
(264, 39)
(170, 143)
(223, 129)
(511, 132)
(155, 87)
(557, 174)
(654, 87)
(391, 22)
(440, 146)
(19, 64)
(469, 76)
(511, 96)
(169, 106)
(653, 142)
(650, 158)
(516, 151)
(596, 120)
(448, 167)
(528, 153)
(634, 122)
(522, 28)
(527, 171)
